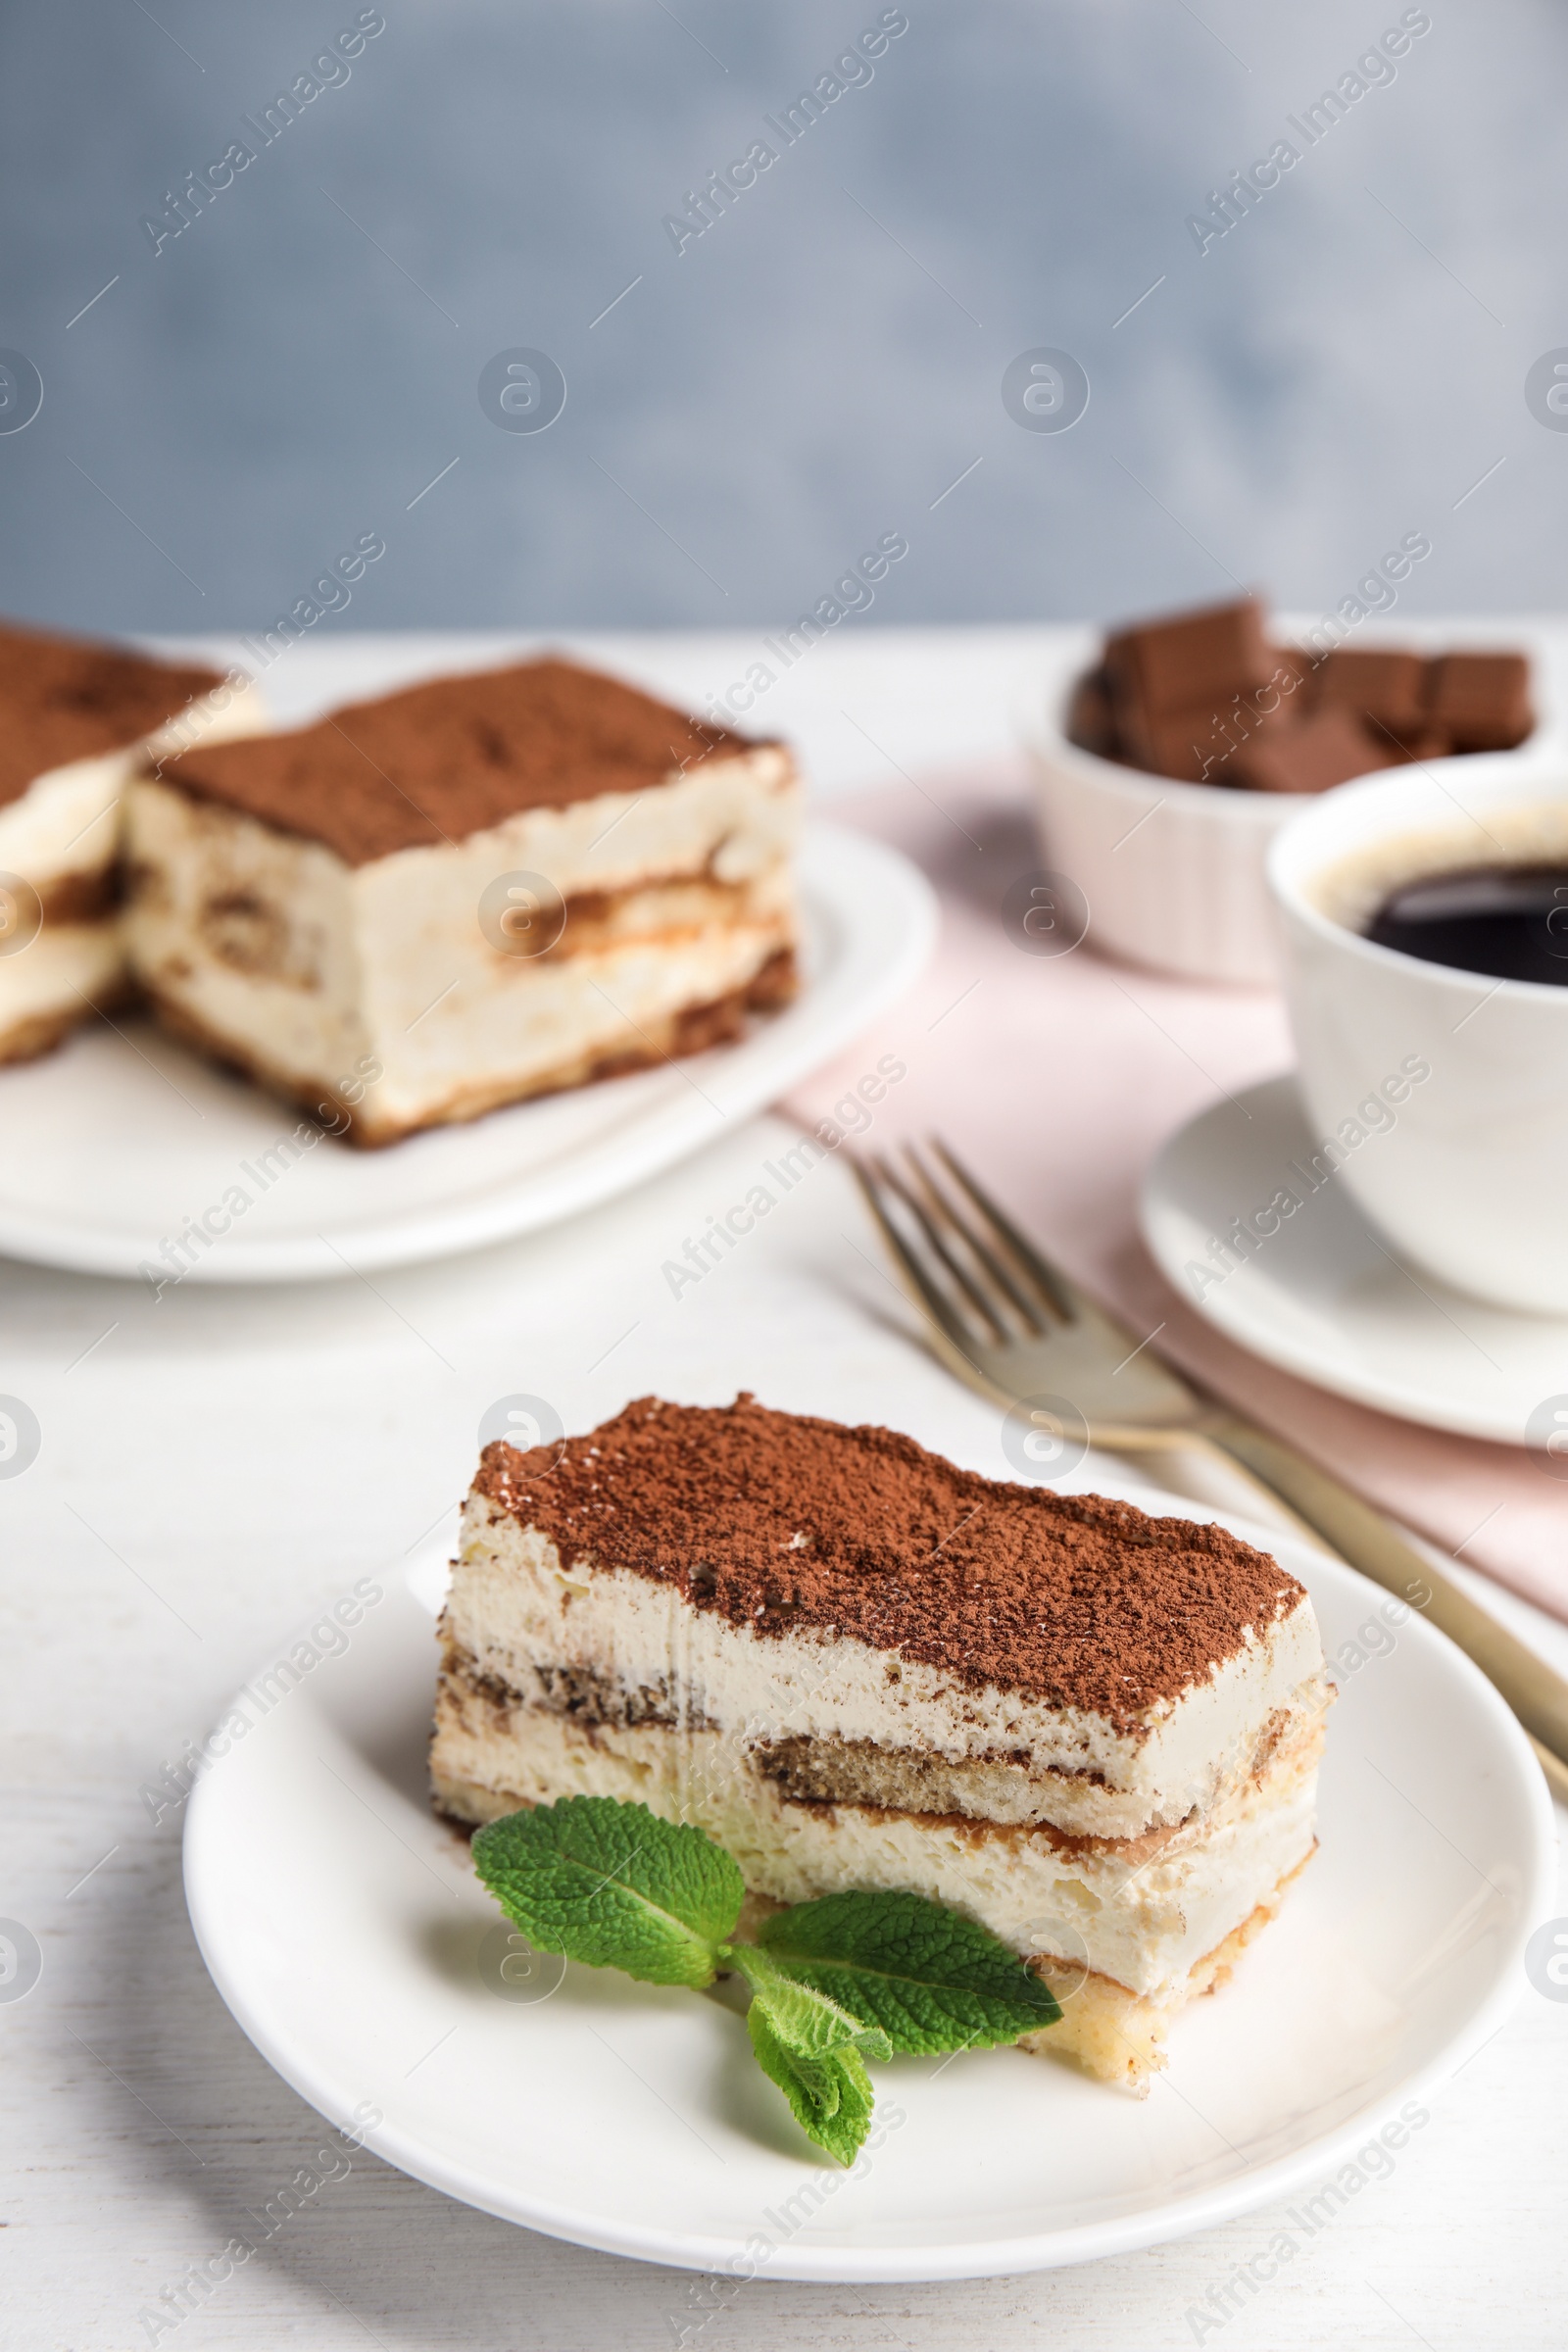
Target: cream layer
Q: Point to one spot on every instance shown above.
(642, 1649)
(54, 981)
(1143, 1913)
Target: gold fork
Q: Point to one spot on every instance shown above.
(1010, 1324)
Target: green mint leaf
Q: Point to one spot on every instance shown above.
(831, 2097)
(611, 1884)
(807, 2023)
(931, 1978)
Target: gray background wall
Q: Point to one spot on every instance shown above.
(814, 370)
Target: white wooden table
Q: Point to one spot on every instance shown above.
(218, 1466)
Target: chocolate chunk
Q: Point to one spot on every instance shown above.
(1194, 661)
(1091, 720)
(1205, 699)
(1482, 701)
(1299, 674)
(1310, 754)
(1425, 743)
(1193, 749)
(1384, 689)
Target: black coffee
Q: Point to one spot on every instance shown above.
(1508, 920)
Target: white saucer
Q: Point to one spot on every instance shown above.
(343, 1926)
(120, 1137)
(1324, 1296)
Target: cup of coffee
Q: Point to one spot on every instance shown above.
(1424, 919)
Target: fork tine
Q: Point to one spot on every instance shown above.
(936, 1303)
(955, 1272)
(1056, 1289)
(1025, 1307)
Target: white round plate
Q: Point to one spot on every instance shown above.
(1324, 1296)
(343, 1924)
(123, 1136)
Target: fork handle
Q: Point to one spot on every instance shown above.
(1538, 1695)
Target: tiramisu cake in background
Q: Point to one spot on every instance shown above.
(486, 887)
(75, 717)
(857, 1666)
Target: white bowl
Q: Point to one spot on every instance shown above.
(1173, 872)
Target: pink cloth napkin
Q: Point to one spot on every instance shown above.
(1059, 1078)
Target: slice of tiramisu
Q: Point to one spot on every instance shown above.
(857, 1666)
(483, 888)
(74, 718)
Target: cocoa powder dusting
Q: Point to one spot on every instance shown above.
(67, 698)
(438, 762)
(787, 1523)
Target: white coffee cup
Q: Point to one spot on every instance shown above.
(1440, 1095)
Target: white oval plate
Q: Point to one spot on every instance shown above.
(342, 1923)
(1323, 1297)
(119, 1138)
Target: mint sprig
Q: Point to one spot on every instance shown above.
(831, 2096)
(931, 1978)
(805, 2019)
(833, 1983)
(613, 1886)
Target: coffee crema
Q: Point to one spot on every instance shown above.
(1509, 923)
